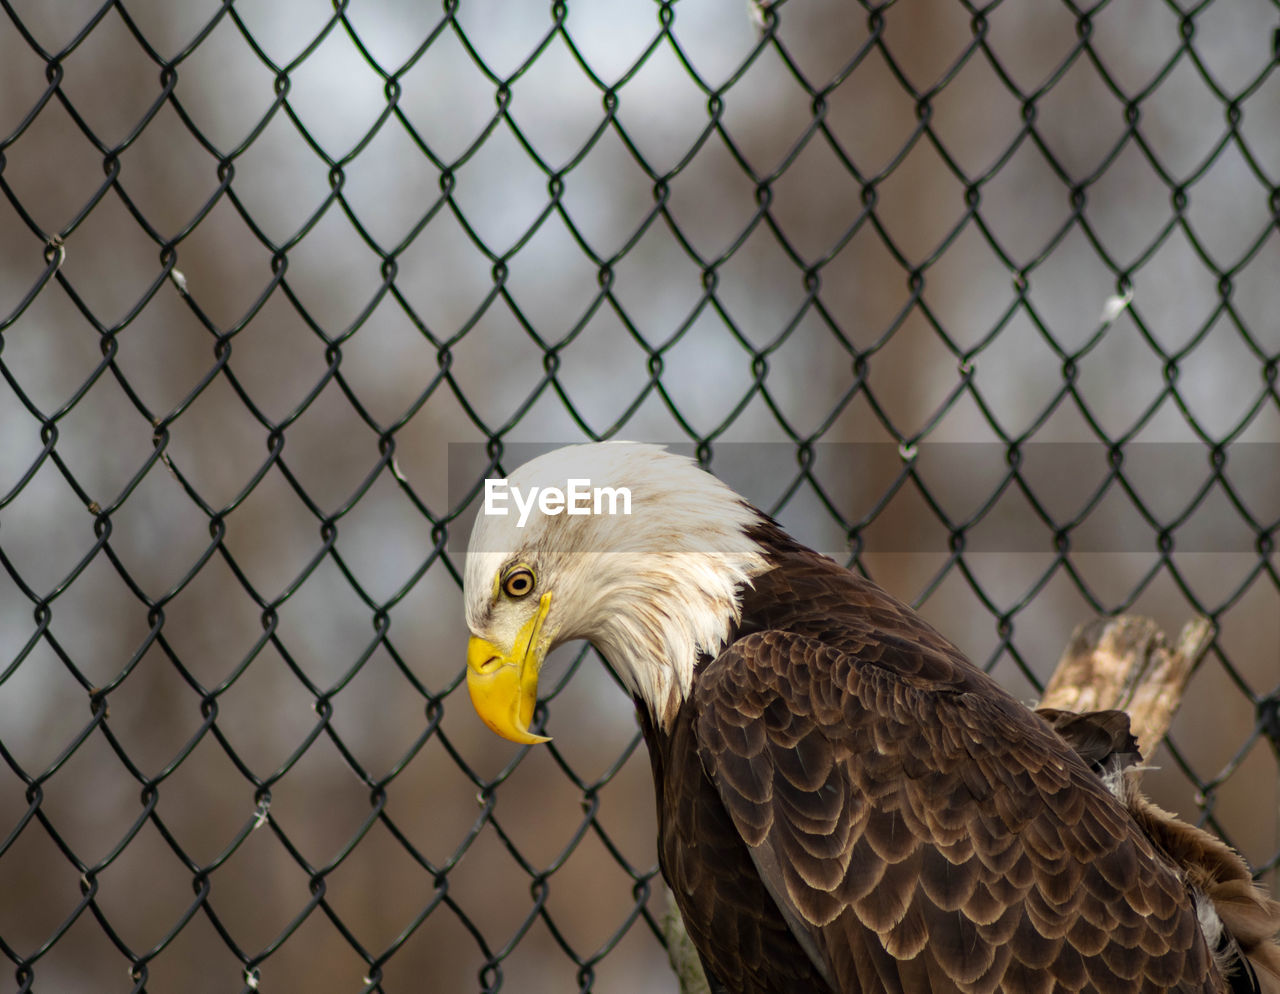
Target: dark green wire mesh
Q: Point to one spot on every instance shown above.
(925, 275)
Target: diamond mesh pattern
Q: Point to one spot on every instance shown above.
(918, 278)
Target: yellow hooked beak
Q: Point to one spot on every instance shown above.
(504, 685)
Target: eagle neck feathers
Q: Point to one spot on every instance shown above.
(661, 623)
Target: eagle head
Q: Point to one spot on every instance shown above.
(629, 546)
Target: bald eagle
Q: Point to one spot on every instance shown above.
(845, 803)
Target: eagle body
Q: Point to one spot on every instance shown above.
(846, 805)
(920, 827)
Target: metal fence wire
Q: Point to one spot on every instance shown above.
(957, 273)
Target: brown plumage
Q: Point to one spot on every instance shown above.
(1247, 920)
(883, 817)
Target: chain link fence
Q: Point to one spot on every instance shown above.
(981, 299)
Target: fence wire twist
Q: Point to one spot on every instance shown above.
(54, 291)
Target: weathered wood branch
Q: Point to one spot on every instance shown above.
(1127, 663)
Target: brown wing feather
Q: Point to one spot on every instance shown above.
(1247, 948)
(746, 944)
(1101, 738)
(926, 830)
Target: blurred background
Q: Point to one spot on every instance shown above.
(980, 300)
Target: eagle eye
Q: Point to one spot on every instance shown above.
(518, 582)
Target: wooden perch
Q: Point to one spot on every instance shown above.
(1127, 663)
(1124, 662)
